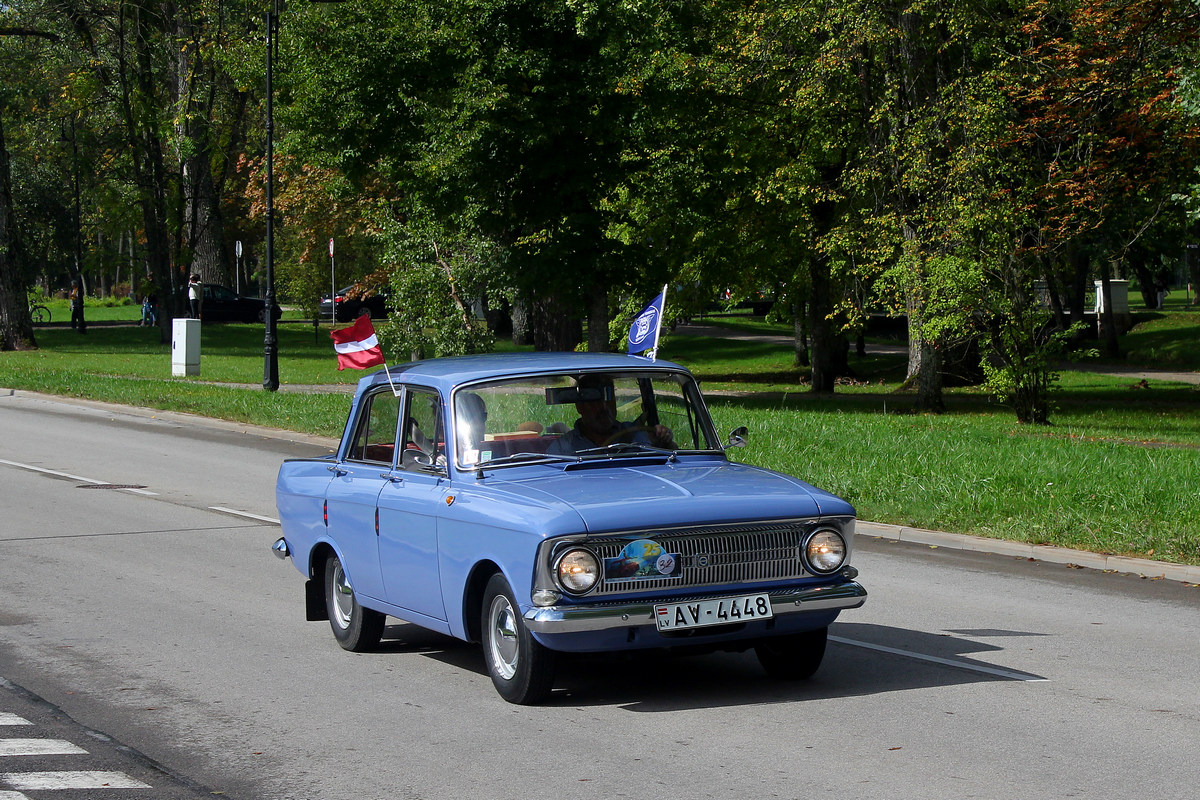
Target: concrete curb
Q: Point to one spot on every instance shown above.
(178, 418)
(1146, 568)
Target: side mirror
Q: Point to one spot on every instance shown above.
(737, 437)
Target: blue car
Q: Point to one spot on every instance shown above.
(547, 503)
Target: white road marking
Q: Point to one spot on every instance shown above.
(38, 747)
(1002, 673)
(7, 718)
(69, 476)
(237, 513)
(12, 795)
(37, 781)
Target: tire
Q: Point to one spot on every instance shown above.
(39, 314)
(356, 628)
(521, 669)
(794, 657)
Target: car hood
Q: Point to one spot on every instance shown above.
(663, 495)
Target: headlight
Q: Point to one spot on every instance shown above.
(825, 551)
(578, 570)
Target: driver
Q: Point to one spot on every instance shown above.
(598, 425)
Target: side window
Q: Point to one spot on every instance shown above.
(423, 441)
(376, 437)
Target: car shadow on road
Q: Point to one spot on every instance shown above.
(861, 659)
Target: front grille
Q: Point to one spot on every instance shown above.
(713, 556)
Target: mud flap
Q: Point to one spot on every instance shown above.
(315, 609)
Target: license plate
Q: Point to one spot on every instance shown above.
(702, 613)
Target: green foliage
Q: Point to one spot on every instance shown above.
(1019, 369)
(927, 159)
(437, 276)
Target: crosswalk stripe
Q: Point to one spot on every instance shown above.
(34, 781)
(12, 795)
(8, 718)
(38, 747)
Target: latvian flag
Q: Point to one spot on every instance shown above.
(356, 346)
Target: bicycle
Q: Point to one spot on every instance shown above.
(39, 313)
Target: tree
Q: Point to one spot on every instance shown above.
(16, 326)
(509, 120)
(1097, 92)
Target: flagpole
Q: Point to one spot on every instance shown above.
(658, 329)
(388, 371)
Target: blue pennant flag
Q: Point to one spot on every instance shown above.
(643, 333)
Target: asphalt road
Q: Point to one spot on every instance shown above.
(153, 620)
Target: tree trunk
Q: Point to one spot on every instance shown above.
(1193, 272)
(204, 233)
(195, 89)
(829, 348)
(522, 331)
(554, 328)
(1054, 294)
(800, 332)
(924, 363)
(598, 319)
(139, 90)
(16, 327)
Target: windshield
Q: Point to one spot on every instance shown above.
(580, 415)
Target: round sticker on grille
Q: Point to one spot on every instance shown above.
(642, 559)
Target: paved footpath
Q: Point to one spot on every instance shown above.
(1136, 373)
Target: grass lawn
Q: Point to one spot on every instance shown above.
(1117, 472)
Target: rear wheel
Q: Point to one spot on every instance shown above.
(356, 628)
(793, 657)
(521, 669)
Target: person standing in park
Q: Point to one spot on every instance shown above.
(195, 293)
(78, 323)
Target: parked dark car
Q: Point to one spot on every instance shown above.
(222, 304)
(351, 304)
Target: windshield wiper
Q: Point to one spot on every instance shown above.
(620, 447)
(515, 458)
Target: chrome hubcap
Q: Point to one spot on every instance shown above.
(343, 597)
(503, 640)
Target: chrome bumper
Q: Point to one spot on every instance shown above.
(606, 616)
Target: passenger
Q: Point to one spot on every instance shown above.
(598, 425)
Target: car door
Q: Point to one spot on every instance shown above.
(409, 506)
(353, 493)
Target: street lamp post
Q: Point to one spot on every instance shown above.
(270, 340)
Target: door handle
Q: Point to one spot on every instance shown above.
(336, 470)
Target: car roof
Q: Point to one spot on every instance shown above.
(446, 373)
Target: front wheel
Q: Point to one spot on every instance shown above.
(356, 628)
(39, 314)
(521, 669)
(793, 657)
